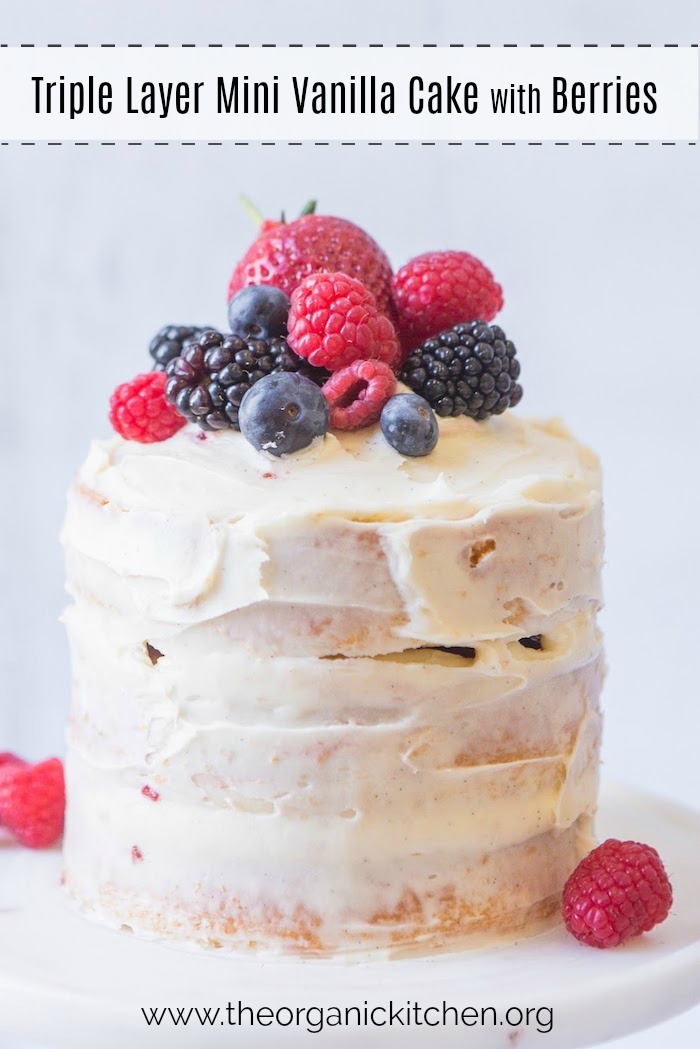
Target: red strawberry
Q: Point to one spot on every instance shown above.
(33, 801)
(286, 252)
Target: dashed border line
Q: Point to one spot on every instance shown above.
(465, 142)
(338, 142)
(348, 45)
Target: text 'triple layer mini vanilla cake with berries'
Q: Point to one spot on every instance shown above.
(336, 667)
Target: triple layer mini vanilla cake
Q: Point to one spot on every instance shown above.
(336, 663)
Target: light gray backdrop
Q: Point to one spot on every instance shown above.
(596, 247)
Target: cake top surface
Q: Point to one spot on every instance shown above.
(474, 466)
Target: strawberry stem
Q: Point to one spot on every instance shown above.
(256, 216)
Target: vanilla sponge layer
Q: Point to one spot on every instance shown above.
(335, 788)
(347, 548)
(270, 744)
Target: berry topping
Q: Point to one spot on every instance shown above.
(138, 410)
(268, 224)
(168, 343)
(283, 413)
(33, 801)
(258, 311)
(334, 320)
(208, 382)
(435, 291)
(356, 394)
(136, 854)
(150, 792)
(469, 370)
(409, 424)
(287, 252)
(618, 891)
(6, 759)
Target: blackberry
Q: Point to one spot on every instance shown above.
(210, 378)
(169, 342)
(469, 370)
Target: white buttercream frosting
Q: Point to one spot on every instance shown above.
(315, 749)
(191, 530)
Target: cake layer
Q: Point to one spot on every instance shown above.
(321, 903)
(347, 548)
(417, 733)
(302, 714)
(337, 788)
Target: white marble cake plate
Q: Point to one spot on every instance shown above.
(67, 982)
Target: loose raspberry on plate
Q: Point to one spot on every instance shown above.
(334, 320)
(138, 410)
(356, 394)
(32, 801)
(618, 891)
(437, 290)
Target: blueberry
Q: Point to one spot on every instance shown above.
(258, 311)
(283, 413)
(409, 424)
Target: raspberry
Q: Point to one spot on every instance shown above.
(33, 801)
(286, 252)
(138, 410)
(437, 290)
(334, 320)
(357, 394)
(618, 891)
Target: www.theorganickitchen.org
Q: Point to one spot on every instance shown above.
(317, 1018)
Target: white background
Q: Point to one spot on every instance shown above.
(597, 250)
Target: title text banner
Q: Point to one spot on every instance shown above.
(349, 94)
